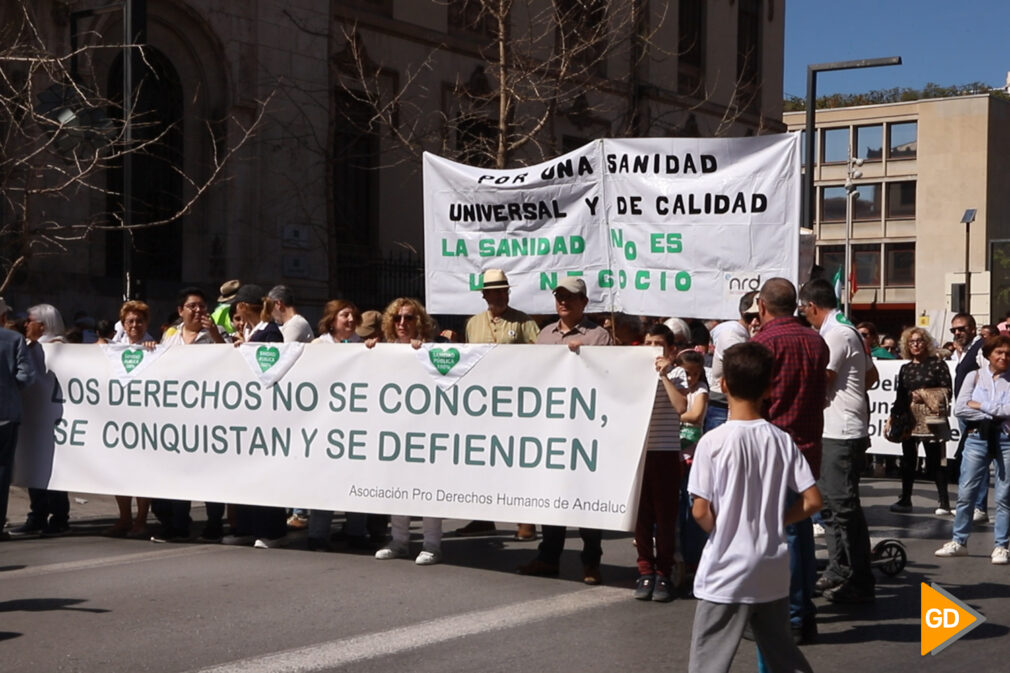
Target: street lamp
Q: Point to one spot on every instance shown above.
(812, 70)
(851, 194)
(966, 220)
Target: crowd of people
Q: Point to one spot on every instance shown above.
(774, 402)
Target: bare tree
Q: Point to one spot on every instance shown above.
(63, 137)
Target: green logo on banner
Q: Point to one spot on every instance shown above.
(131, 359)
(267, 357)
(443, 360)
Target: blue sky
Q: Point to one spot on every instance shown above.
(942, 42)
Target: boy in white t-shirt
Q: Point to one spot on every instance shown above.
(741, 477)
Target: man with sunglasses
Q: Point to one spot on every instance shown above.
(968, 355)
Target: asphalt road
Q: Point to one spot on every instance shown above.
(89, 603)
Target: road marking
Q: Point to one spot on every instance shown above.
(106, 561)
(346, 651)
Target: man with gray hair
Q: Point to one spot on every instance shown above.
(293, 326)
(16, 373)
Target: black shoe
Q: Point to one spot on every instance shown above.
(644, 587)
(212, 532)
(805, 634)
(902, 507)
(318, 544)
(28, 528)
(54, 529)
(848, 594)
(663, 591)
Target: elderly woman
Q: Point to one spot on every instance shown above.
(49, 514)
(134, 316)
(923, 388)
(406, 322)
(339, 322)
(984, 405)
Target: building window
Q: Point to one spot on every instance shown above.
(355, 174)
(866, 260)
(866, 203)
(471, 16)
(869, 142)
(833, 204)
(902, 140)
(582, 26)
(900, 200)
(836, 145)
(691, 50)
(832, 258)
(748, 53)
(900, 264)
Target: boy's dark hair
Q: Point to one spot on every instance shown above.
(186, 292)
(747, 370)
(659, 329)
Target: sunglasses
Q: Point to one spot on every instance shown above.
(915, 342)
(404, 318)
(955, 330)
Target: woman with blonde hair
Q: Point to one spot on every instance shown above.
(406, 322)
(924, 389)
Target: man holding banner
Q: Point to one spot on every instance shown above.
(574, 330)
(499, 324)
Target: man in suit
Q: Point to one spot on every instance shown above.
(16, 373)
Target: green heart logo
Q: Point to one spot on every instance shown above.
(267, 357)
(131, 359)
(443, 360)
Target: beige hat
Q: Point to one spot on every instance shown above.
(495, 279)
(228, 291)
(573, 284)
(371, 322)
(754, 306)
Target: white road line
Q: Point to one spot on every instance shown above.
(106, 561)
(346, 651)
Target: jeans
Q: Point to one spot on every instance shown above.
(975, 471)
(846, 534)
(715, 416)
(802, 568)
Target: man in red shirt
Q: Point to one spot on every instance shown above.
(796, 404)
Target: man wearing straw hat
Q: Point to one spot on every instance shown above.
(499, 324)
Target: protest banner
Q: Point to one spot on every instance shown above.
(882, 398)
(655, 226)
(508, 433)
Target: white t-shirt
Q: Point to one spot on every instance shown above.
(297, 328)
(724, 335)
(744, 469)
(847, 414)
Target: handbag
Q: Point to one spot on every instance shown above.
(930, 415)
(898, 428)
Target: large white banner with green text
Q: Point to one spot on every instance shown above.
(507, 433)
(655, 226)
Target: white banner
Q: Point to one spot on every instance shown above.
(881, 399)
(527, 433)
(655, 226)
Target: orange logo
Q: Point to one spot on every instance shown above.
(944, 619)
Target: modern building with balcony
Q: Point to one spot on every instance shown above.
(924, 163)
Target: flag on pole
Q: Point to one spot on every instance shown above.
(837, 283)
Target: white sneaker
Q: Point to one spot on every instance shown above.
(952, 548)
(1000, 556)
(391, 552)
(818, 530)
(940, 511)
(268, 543)
(980, 516)
(428, 558)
